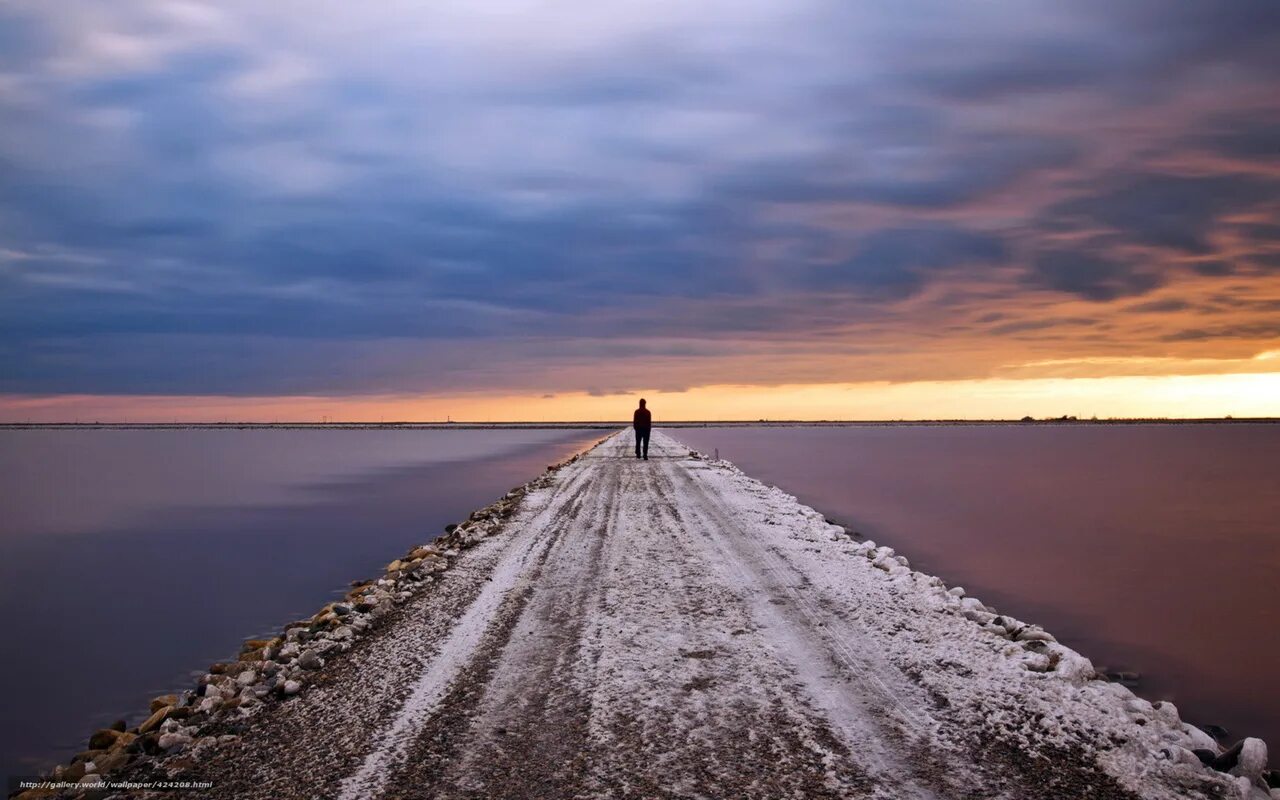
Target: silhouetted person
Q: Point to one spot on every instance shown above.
(641, 421)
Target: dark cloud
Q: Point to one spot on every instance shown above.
(897, 261)
(1179, 212)
(1090, 276)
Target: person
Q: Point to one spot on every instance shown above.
(641, 421)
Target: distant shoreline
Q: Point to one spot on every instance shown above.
(597, 425)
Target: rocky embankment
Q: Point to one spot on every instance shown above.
(181, 728)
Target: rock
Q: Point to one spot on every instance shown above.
(168, 741)
(123, 741)
(210, 704)
(112, 761)
(1073, 667)
(103, 739)
(956, 591)
(291, 688)
(1033, 634)
(163, 700)
(1167, 712)
(1206, 756)
(1250, 759)
(310, 660)
(247, 678)
(121, 725)
(343, 632)
(1216, 731)
(1272, 777)
(1199, 739)
(152, 722)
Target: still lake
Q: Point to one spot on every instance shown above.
(1148, 548)
(131, 558)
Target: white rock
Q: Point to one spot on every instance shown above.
(310, 660)
(1034, 634)
(956, 591)
(1199, 739)
(292, 687)
(1253, 759)
(1137, 705)
(1167, 712)
(1073, 667)
(247, 677)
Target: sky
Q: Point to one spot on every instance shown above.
(506, 209)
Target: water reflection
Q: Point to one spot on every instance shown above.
(139, 556)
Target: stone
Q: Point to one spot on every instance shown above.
(1199, 739)
(152, 722)
(291, 688)
(1167, 712)
(123, 741)
(112, 761)
(1034, 634)
(1206, 756)
(1251, 760)
(1216, 731)
(168, 741)
(210, 704)
(310, 660)
(103, 739)
(247, 678)
(163, 700)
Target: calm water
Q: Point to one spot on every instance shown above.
(1147, 548)
(129, 559)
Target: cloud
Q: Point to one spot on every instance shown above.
(898, 261)
(1090, 276)
(244, 197)
(1179, 212)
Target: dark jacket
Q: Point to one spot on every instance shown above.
(641, 419)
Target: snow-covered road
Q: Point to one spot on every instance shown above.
(674, 628)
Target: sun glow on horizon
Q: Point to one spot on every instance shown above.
(1245, 395)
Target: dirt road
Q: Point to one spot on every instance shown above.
(673, 628)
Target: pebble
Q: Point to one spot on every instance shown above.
(291, 688)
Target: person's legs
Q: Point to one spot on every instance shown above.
(638, 435)
(646, 444)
